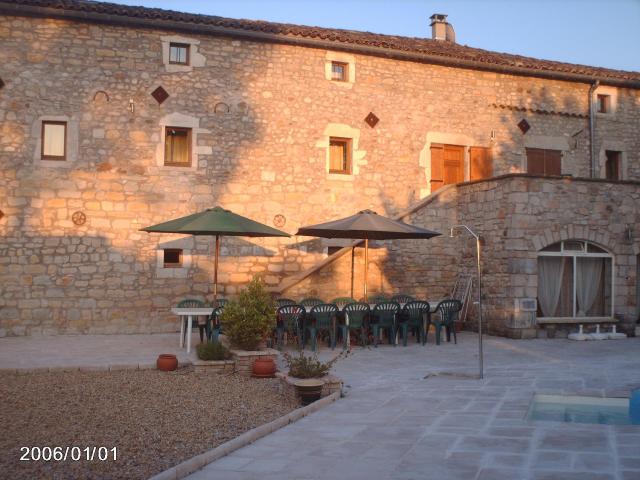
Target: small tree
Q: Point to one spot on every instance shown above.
(248, 319)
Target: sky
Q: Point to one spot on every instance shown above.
(603, 33)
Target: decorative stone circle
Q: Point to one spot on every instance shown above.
(279, 221)
(79, 218)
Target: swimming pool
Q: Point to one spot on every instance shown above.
(579, 409)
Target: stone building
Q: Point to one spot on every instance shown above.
(113, 118)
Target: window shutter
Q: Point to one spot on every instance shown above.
(553, 162)
(437, 166)
(481, 163)
(535, 161)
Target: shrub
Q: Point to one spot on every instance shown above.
(247, 320)
(213, 351)
(303, 366)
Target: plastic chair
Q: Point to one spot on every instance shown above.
(289, 319)
(358, 314)
(446, 315)
(384, 318)
(281, 302)
(192, 303)
(322, 318)
(378, 298)
(214, 329)
(342, 302)
(412, 316)
(311, 302)
(402, 298)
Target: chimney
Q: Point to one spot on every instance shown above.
(441, 29)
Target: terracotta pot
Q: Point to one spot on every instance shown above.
(167, 362)
(264, 367)
(309, 390)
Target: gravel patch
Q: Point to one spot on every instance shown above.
(155, 419)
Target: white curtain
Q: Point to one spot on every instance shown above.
(53, 139)
(589, 273)
(550, 272)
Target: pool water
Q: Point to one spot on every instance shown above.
(577, 409)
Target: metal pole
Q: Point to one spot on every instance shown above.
(366, 266)
(353, 256)
(215, 273)
(480, 352)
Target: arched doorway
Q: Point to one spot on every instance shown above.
(575, 280)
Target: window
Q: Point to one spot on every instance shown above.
(575, 279)
(177, 147)
(544, 162)
(339, 71)
(172, 258)
(603, 103)
(447, 165)
(54, 140)
(179, 53)
(612, 165)
(340, 155)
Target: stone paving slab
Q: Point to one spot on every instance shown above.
(396, 425)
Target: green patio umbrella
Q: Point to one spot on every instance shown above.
(216, 222)
(366, 225)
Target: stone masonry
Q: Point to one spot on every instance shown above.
(261, 115)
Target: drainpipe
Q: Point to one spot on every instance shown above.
(592, 128)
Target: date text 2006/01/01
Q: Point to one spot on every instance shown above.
(63, 454)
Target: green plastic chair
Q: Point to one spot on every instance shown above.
(311, 302)
(402, 298)
(281, 302)
(412, 316)
(446, 315)
(289, 319)
(342, 302)
(379, 298)
(192, 303)
(214, 329)
(322, 318)
(384, 318)
(358, 314)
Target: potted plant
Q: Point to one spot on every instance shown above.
(247, 322)
(308, 371)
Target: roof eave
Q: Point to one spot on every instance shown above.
(195, 28)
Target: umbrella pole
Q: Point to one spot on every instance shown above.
(353, 255)
(366, 266)
(215, 273)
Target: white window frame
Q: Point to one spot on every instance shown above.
(582, 254)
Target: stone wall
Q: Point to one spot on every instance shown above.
(261, 114)
(516, 216)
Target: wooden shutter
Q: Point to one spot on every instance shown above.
(553, 162)
(453, 164)
(437, 166)
(340, 155)
(481, 163)
(535, 161)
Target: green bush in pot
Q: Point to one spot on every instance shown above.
(250, 318)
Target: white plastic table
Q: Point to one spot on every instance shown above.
(189, 313)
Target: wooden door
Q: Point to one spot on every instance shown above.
(447, 165)
(480, 163)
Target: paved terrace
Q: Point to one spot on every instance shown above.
(395, 424)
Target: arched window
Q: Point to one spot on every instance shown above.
(575, 279)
